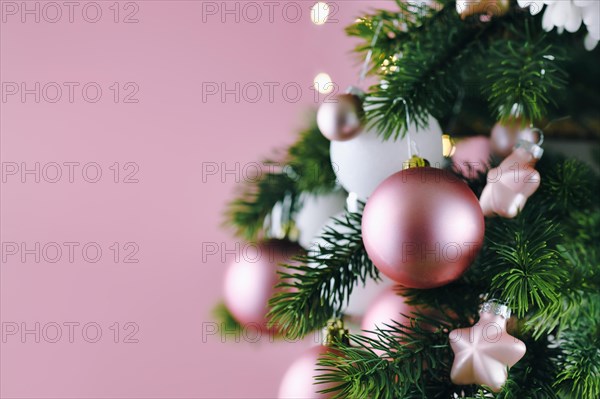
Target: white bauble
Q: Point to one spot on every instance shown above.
(316, 210)
(362, 163)
(362, 295)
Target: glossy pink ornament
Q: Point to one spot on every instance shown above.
(423, 227)
(472, 156)
(512, 182)
(341, 119)
(483, 353)
(250, 280)
(505, 136)
(299, 380)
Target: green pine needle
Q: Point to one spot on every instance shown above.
(320, 284)
(305, 168)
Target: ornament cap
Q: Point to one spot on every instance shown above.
(335, 333)
(496, 307)
(535, 149)
(415, 162)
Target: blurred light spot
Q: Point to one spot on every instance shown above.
(323, 83)
(448, 147)
(319, 13)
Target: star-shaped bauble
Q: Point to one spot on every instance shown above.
(484, 353)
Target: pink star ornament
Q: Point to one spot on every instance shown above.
(484, 353)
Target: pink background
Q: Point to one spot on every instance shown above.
(169, 213)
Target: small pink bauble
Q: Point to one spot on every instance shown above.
(251, 278)
(388, 307)
(505, 136)
(423, 227)
(299, 380)
(341, 119)
(472, 156)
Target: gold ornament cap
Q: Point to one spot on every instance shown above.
(335, 333)
(415, 162)
(489, 7)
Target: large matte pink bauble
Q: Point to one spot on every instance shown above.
(299, 380)
(505, 136)
(423, 227)
(341, 119)
(250, 280)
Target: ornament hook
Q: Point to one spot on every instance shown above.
(535, 149)
(540, 134)
(365, 67)
(413, 149)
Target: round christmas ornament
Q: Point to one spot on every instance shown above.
(299, 381)
(361, 164)
(363, 294)
(315, 211)
(423, 227)
(388, 307)
(484, 353)
(250, 280)
(505, 136)
(512, 182)
(472, 156)
(342, 119)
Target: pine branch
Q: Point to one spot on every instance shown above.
(250, 211)
(309, 164)
(579, 363)
(306, 167)
(361, 374)
(317, 288)
(426, 75)
(398, 361)
(534, 375)
(397, 27)
(427, 59)
(526, 267)
(523, 76)
(569, 185)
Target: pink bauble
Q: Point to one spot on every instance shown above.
(472, 156)
(299, 380)
(388, 307)
(250, 280)
(504, 136)
(342, 118)
(423, 227)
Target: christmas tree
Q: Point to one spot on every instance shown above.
(506, 306)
